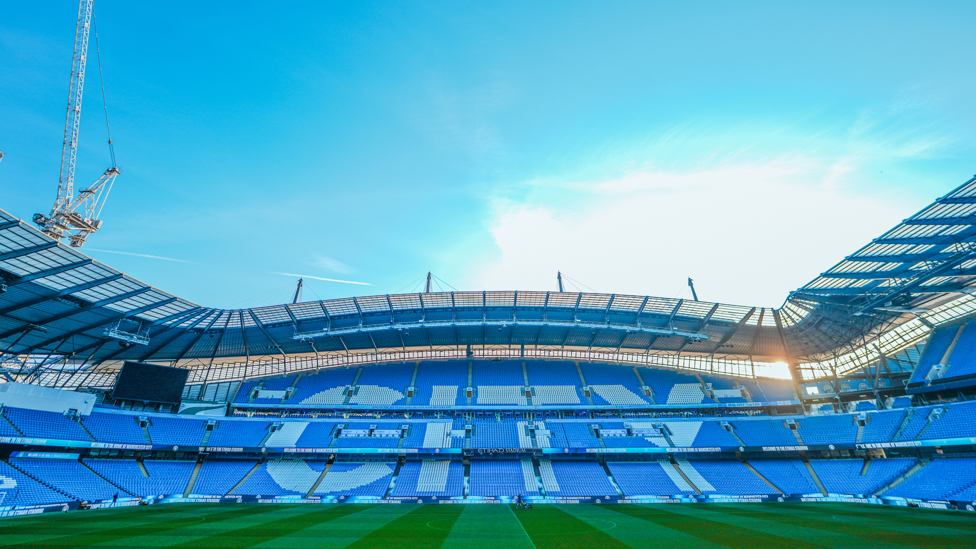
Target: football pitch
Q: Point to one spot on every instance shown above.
(671, 526)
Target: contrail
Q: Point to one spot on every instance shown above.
(324, 279)
(140, 255)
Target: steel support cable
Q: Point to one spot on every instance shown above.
(101, 81)
(435, 277)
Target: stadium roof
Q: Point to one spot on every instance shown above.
(62, 303)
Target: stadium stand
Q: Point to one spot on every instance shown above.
(430, 477)
(882, 426)
(763, 432)
(325, 387)
(286, 477)
(959, 420)
(827, 429)
(19, 490)
(575, 479)
(671, 387)
(790, 476)
(119, 428)
(724, 477)
(503, 478)
(844, 476)
(217, 477)
(935, 349)
(69, 476)
(440, 383)
(356, 479)
(643, 478)
(164, 477)
(938, 480)
(176, 431)
(40, 424)
(239, 433)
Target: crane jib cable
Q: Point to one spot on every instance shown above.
(98, 56)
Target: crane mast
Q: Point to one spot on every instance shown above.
(75, 217)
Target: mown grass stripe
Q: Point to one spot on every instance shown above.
(904, 515)
(79, 523)
(143, 529)
(696, 524)
(251, 535)
(552, 528)
(479, 523)
(425, 527)
(822, 521)
(634, 531)
(338, 534)
(28, 524)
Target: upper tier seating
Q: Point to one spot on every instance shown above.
(502, 478)
(238, 433)
(789, 475)
(765, 432)
(244, 391)
(772, 390)
(916, 423)
(843, 476)
(20, 490)
(323, 388)
(274, 384)
(440, 383)
(501, 394)
(958, 421)
(356, 479)
(177, 431)
(382, 384)
(613, 384)
(503, 373)
(119, 428)
(38, 424)
(827, 429)
(881, 427)
(502, 382)
(217, 477)
(551, 372)
(935, 348)
(430, 477)
(648, 478)
(672, 387)
(962, 361)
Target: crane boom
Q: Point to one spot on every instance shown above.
(77, 217)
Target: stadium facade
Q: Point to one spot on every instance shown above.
(857, 388)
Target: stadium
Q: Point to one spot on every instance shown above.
(130, 416)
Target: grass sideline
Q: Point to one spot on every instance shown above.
(609, 526)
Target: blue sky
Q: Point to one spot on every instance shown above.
(749, 145)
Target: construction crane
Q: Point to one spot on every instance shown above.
(76, 217)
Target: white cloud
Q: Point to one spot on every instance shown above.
(331, 264)
(138, 255)
(323, 279)
(747, 234)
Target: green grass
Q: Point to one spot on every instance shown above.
(415, 526)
